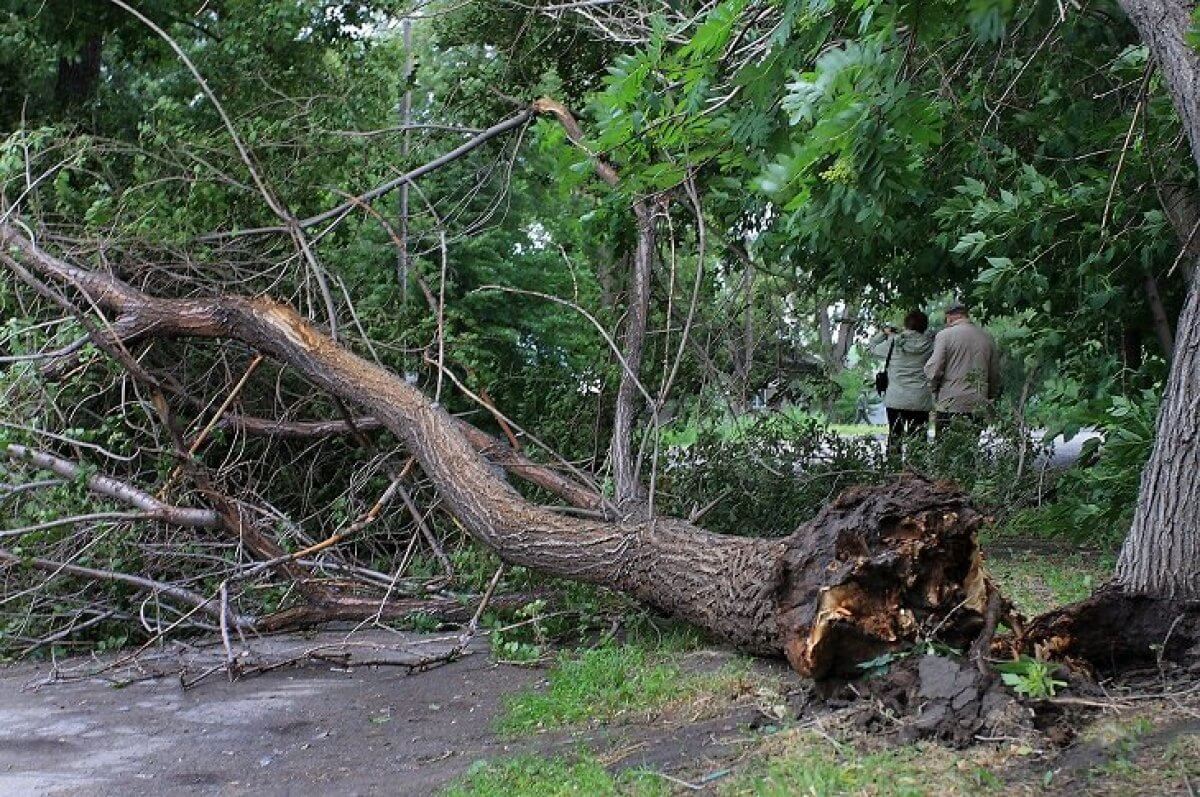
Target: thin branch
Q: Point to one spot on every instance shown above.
(117, 490)
(195, 600)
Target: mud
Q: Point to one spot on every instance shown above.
(941, 698)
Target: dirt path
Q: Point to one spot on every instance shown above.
(311, 730)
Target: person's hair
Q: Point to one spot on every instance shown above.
(916, 321)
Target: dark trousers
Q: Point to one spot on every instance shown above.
(904, 423)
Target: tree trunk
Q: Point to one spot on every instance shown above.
(1161, 556)
(78, 77)
(1183, 211)
(835, 344)
(847, 325)
(872, 572)
(1158, 316)
(630, 493)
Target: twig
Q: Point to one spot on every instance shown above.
(230, 662)
(1137, 109)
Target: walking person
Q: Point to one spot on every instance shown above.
(862, 408)
(906, 396)
(964, 371)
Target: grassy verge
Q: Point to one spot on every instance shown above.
(1036, 583)
(536, 776)
(858, 429)
(1153, 751)
(615, 683)
(804, 762)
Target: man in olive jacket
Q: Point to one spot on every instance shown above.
(964, 370)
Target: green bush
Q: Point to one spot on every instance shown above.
(776, 472)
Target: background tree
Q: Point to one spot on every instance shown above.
(1162, 553)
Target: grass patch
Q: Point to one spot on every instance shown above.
(536, 776)
(614, 681)
(730, 428)
(1038, 583)
(858, 429)
(805, 763)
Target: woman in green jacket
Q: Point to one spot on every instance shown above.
(908, 399)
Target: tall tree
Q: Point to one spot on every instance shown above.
(1162, 553)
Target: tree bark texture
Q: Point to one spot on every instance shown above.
(1183, 211)
(1161, 556)
(630, 493)
(872, 572)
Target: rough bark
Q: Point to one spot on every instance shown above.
(628, 487)
(870, 573)
(1163, 26)
(1161, 556)
(1183, 211)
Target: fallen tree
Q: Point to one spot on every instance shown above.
(874, 570)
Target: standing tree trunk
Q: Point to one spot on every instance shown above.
(1158, 316)
(835, 344)
(630, 493)
(78, 77)
(1161, 556)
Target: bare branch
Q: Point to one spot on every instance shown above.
(152, 508)
(198, 602)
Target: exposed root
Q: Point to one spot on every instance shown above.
(1114, 631)
(878, 569)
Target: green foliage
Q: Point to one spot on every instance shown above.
(527, 642)
(764, 475)
(846, 155)
(1104, 495)
(1093, 502)
(774, 473)
(1030, 677)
